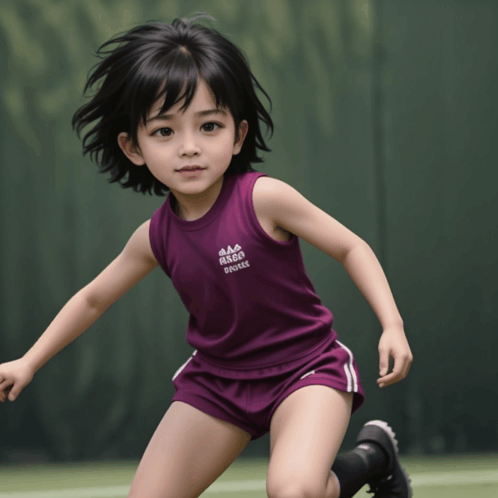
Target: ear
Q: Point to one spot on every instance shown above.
(243, 127)
(129, 150)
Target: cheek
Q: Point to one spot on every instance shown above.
(155, 152)
(226, 148)
(154, 157)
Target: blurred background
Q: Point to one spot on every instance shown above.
(385, 113)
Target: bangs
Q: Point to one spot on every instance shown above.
(166, 76)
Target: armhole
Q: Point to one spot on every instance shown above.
(257, 226)
(154, 240)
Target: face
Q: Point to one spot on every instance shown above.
(181, 138)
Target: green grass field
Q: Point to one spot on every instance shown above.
(433, 477)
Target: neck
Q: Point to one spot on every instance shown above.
(178, 209)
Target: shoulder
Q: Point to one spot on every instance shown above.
(139, 247)
(270, 193)
(266, 186)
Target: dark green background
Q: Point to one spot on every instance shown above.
(386, 116)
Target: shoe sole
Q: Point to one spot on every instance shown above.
(392, 437)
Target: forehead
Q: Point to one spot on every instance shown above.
(203, 99)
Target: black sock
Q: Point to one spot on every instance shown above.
(355, 468)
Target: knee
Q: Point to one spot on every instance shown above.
(292, 488)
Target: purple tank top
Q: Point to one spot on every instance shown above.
(252, 306)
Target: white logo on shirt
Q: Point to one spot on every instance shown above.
(233, 255)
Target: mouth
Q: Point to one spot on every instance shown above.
(191, 168)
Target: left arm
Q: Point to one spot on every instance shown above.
(291, 211)
(366, 272)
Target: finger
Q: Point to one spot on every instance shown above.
(4, 384)
(408, 364)
(399, 373)
(388, 380)
(404, 362)
(13, 394)
(404, 369)
(383, 362)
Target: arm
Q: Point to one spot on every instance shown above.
(366, 272)
(87, 305)
(287, 208)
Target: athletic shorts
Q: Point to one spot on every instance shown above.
(250, 403)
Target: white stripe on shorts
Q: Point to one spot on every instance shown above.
(349, 369)
(183, 366)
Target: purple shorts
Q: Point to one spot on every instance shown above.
(250, 403)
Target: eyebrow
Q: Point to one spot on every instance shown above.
(166, 117)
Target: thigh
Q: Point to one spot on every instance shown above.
(306, 432)
(188, 451)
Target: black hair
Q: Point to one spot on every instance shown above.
(157, 59)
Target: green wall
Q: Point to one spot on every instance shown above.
(385, 114)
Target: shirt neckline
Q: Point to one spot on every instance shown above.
(210, 215)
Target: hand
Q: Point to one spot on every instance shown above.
(393, 343)
(14, 377)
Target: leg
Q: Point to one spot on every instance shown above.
(187, 453)
(375, 461)
(306, 432)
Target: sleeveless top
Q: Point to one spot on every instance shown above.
(253, 309)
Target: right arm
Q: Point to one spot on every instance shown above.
(134, 262)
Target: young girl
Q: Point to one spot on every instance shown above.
(177, 112)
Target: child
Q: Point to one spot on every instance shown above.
(177, 111)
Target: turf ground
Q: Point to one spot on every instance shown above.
(433, 477)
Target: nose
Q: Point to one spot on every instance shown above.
(189, 145)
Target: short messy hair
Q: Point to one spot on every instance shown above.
(157, 59)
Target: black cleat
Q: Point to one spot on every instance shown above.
(394, 483)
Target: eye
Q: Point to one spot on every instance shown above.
(214, 124)
(160, 132)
